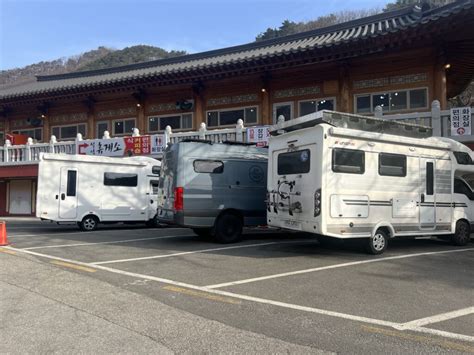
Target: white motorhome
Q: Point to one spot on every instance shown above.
(90, 189)
(350, 176)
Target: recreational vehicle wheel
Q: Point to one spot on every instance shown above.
(462, 234)
(228, 228)
(88, 223)
(378, 243)
(153, 223)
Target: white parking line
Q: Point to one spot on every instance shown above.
(88, 234)
(187, 253)
(437, 318)
(110, 242)
(337, 266)
(257, 299)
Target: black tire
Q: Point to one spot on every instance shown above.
(462, 235)
(228, 228)
(377, 243)
(89, 223)
(153, 223)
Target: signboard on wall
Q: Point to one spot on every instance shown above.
(122, 146)
(258, 135)
(461, 121)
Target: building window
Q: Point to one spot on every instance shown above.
(69, 132)
(349, 161)
(392, 101)
(179, 121)
(124, 127)
(310, 106)
(2, 138)
(101, 128)
(35, 133)
(284, 109)
(229, 117)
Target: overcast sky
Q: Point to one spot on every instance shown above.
(37, 30)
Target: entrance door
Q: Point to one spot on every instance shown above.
(427, 194)
(68, 193)
(20, 197)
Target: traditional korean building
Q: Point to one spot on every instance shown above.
(400, 60)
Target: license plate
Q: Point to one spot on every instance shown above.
(292, 224)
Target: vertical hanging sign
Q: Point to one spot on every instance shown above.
(461, 121)
(258, 135)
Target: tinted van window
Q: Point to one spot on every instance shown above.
(392, 164)
(348, 161)
(118, 179)
(208, 166)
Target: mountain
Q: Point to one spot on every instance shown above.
(99, 58)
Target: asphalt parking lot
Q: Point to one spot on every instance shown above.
(417, 297)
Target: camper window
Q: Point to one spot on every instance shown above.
(71, 183)
(392, 165)
(463, 158)
(297, 162)
(429, 178)
(117, 179)
(208, 166)
(154, 184)
(348, 161)
(460, 187)
(155, 170)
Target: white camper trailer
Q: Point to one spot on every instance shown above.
(350, 176)
(91, 190)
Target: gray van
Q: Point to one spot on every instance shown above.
(213, 188)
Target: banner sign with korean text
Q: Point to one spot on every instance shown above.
(461, 121)
(137, 145)
(258, 135)
(113, 147)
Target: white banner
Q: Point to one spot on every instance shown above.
(461, 121)
(258, 135)
(158, 143)
(113, 147)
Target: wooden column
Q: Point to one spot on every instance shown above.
(199, 105)
(90, 106)
(439, 84)
(140, 98)
(266, 91)
(344, 95)
(43, 111)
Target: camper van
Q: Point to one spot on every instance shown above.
(349, 176)
(90, 189)
(213, 188)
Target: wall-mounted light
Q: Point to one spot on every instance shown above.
(447, 66)
(264, 90)
(138, 105)
(43, 116)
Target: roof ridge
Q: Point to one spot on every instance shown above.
(238, 48)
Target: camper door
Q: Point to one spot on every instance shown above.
(427, 194)
(67, 194)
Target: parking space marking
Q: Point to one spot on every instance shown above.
(200, 294)
(110, 242)
(351, 317)
(186, 253)
(6, 251)
(419, 338)
(336, 266)
(100, 231)
(438, 318)
(73, 266)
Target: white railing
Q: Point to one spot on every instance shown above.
(29, 152)
(439, 120)
(436, 118)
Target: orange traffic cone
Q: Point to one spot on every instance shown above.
(3, 234)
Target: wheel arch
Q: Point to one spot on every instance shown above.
(387, 227)
(90, 213)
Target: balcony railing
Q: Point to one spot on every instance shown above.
(29, 153)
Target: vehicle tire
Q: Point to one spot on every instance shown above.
(462, 235)
(203, 233)
(228, 228)
(377, 243)
(89, 223)
(153, 223)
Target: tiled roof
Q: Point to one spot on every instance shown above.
(353, 31)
